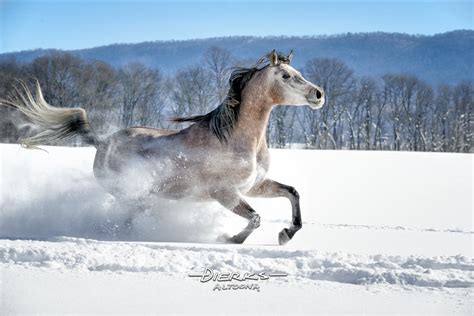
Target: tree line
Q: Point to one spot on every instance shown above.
(394, 112)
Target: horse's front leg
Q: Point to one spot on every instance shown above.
(234, 202)
(269, 188)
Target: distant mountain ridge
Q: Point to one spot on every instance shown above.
(440, 58)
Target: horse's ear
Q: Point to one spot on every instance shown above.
(273, 57)
(290, 56)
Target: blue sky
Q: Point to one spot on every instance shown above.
(82, 24)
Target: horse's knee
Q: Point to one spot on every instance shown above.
(294, 193)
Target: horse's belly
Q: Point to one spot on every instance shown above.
(183, 186)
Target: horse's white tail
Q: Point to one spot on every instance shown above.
(58, 123)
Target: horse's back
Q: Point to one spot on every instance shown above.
(151, 132)
(122, 145)
(136, 136)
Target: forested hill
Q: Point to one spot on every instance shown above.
(441, 58)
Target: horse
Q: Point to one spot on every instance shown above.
(221, 156)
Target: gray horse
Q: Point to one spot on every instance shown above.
(222, 156)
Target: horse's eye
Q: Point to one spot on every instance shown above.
(286, 76)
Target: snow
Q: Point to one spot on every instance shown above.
(382, 232)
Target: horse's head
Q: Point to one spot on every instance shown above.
(287, 86)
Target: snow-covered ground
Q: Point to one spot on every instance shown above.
(383, 233)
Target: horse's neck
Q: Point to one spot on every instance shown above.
(252, 124)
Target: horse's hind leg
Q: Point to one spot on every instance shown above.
(240, 207)
(133, 207)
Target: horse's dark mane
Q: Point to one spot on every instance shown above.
(222, 119)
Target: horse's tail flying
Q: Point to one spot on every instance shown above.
(57, 123)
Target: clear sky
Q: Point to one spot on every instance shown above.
(82, 24)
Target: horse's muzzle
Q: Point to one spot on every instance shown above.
(315, 98)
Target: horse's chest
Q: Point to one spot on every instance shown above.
(258, 173)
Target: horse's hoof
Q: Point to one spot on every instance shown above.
(283, 237)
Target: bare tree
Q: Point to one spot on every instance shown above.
(380, 109)
(359, 114)
(423, 101)
(139, 90)
(399, 91)
(440, 122)
(58, 74)
(191, 94)
(218, 63)
(9, 117)
(280, 126)
(463, 117)
(99, 87)
(336, 78)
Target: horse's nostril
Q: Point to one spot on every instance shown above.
(318, 94)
